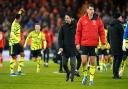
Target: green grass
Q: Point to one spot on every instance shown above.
(46, 79)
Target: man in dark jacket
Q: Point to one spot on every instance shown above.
(67, 46)
(115, 33)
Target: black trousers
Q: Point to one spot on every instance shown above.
(46, 55)
(72, 64)
(61, 65)
(78, 57)
(116, 64)
(97, 60)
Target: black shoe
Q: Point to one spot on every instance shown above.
(61, 71)
(67, 76)
(99, 69)
(116, 77)
(77, 74)
(20, 73)
(72, 80)
(72, 77)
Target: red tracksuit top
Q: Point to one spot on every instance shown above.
(49, 38)
(88, 31)
(2, 40)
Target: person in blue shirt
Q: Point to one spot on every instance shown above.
(125, 49)
(125, 46)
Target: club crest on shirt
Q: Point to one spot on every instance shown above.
(94, 22)
(85, 22)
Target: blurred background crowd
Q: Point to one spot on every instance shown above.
(51, 13)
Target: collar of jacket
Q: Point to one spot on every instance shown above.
(95, 16)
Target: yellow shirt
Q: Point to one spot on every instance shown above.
(15, 33)
(37, 38)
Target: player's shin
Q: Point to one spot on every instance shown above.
(21, 63)
(38, 63)
(12, 65)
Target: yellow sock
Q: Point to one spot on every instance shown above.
(84, 70)
(92, 72)
(12, 65)
(111, 62)
(38, 64)
(21, 63)
(123, 63)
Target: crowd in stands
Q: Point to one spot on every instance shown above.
(51, 12)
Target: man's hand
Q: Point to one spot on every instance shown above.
(24, 45)
(61, 49)
(21, 11)
(78, 47)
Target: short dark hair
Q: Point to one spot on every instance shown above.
(37, 23)
(91, 5)
(17, 16)
(69, 14)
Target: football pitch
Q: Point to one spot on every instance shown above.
(49, 78)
